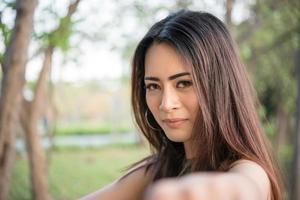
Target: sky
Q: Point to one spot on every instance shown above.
(94, 60)
(97, 60)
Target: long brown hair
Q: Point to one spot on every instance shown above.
(227, 127)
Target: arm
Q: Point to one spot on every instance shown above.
(129, 188)
(255, 175)
(245, 181)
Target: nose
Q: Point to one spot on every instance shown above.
(169, 101)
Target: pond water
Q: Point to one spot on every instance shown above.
(84, 141)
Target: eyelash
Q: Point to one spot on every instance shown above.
(150, 86)
(154, 86)
(185, 84)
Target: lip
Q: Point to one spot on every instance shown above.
(175, 122)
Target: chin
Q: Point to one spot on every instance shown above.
(175, 137)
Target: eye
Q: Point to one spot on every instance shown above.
(184, 84)
(152, 87)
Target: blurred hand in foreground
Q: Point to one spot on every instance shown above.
(205, 186)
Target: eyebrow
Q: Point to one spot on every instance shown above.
(169, 78)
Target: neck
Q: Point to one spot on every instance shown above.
(188, 150)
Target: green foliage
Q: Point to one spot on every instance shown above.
(285, 157)
(269, 52)
(5, 33)
(60, 38)
(60, 34)
(31, 85)
(94, 169)
(92, 130)
(5, 30)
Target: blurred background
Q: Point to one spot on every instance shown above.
(66, 125)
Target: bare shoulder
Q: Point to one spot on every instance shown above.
(130, 187)
(255, 173)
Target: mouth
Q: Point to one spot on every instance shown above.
(175, 122)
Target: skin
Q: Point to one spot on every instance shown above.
(170, 94)
(174, 97)
(132, 187)
(246, 181)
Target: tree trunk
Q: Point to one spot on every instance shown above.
(6, 165)
(51, 117)
(228, 15)
(33, 139)
(35, 150)
(12, 85)
(295, 171)
(282, 129)
(183, 4)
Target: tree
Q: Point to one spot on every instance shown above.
(32, 111)
(295, 168)
(295, 182)
(267, 43)
(228, 16)
(13, 68)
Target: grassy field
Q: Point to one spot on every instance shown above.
(74, 173)
(92, 130)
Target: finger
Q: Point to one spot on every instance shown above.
(163, 190)
(194, 193)
(204, 186)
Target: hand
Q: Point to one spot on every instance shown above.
(204, 186)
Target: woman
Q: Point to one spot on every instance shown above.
(193, 101)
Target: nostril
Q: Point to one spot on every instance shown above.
(167, 106)
(169, 100)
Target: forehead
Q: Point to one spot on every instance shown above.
(163, 60)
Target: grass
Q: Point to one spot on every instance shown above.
(74, 173)
(92, 130)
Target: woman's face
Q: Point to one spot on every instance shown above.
(170, 93)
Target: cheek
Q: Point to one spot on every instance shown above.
(192, 104)
(152, 104)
